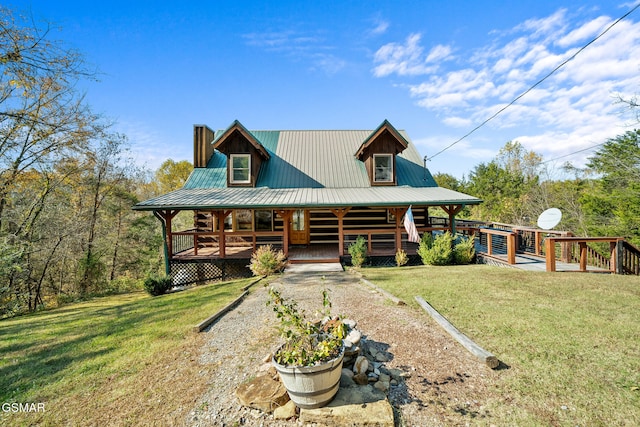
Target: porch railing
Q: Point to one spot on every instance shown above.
(195, 241)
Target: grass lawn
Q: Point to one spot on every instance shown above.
(571, 341)
(121, 360)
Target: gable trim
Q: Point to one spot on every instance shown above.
(384, 126)
(237, 126)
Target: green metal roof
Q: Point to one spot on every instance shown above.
(263, 198)
(310, 168)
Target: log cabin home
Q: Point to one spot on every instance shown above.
(310, 193)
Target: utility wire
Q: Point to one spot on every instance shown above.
(537, 83)
(571, 154)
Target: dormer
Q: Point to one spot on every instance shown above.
(379, 151)
(244, 154)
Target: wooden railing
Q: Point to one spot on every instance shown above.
(194, 240)
(509, 236)
(584, 252)
(628, 258)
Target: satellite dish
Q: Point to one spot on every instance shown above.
(549, 218)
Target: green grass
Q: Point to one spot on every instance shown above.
(571, 341)
(82, 360)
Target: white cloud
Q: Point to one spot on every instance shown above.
(570, 110)
(407, 59)
(380, 28)
(586, 32)
(299, 46)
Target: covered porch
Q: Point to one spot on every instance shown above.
(304, 235)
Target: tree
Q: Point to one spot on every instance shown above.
(172, 175)
(505, 185)
(616, 201)
(42, 117)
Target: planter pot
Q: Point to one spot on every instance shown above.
(311, 386)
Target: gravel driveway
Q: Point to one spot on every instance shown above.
(446, 385)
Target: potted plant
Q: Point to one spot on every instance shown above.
(310, 361)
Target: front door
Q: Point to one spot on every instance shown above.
(299, 232)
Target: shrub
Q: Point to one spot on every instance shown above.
(464, 250)
(436, 251)
(358, 251)
(401, 258)
(157, 285)
(266, 261)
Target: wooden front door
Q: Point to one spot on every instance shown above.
(299, 231)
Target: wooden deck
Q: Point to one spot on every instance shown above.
(529, 262)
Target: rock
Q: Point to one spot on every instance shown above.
(384, 377)
(263, 393)
(346, 380)
(361, 379)
(285, 412)
(356, 406)
(351, 324)
(382, 386)
(396, 374)
(347, 372)
(361, 365)
(354, 336)
(353, 351)
(381, 357)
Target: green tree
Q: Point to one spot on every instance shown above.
(616, 199)
(172, 175)
(505, 185)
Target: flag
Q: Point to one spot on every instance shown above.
(410, 226)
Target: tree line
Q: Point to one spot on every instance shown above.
(67, 183)
(601, 199)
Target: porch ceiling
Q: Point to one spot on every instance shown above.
(268, 198)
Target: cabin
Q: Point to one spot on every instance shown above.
(310, 193)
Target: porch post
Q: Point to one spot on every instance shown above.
(222, 244)
(452, 210)
(398, 213)
(286, 220)
(165, 218)
(340, 213)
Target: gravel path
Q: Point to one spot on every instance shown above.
(447, 386)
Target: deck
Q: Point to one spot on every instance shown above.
(529, 262)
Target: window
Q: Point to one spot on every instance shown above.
(383, 168)
(244, 220)
(264, 220)
(240, 168)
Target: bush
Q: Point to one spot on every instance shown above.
(358, 251)
(157, 285)
(401, 258)
(266, 261)
(464, 250)
(436, 251)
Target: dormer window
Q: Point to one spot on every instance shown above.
(383, 167)
(240, 168)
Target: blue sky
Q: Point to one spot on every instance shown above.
(436, 69)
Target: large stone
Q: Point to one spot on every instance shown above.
(354, 406)
(285, 412)
(262, 393)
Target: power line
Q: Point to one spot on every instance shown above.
(537, 83)
(575, 152)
